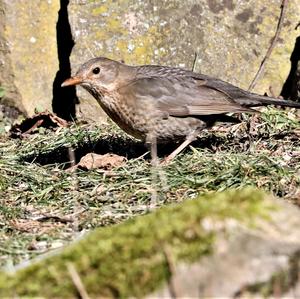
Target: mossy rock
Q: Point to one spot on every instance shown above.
(130, 259)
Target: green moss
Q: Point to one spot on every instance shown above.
(133, 47)
(99, 10)
(128, 259)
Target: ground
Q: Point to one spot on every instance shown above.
(44, 206)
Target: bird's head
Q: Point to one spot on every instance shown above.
(99, 74)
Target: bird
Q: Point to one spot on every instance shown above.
(160, 104)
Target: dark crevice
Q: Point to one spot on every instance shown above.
(291, 87)
(64, 99)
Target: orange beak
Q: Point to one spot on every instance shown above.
(71, 81)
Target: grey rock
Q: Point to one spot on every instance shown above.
(28, 53)
(259, 261)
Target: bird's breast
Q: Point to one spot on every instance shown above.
(139, 120)
(127, 116)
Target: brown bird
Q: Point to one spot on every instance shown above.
(159, 103)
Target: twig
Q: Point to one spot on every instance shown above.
(77, 281)
(71, 155)
(63, 220)
(272, 45)
(36, 125)
(195, 61)
(173, 288)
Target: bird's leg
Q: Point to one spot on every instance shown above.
(190, 138)
(152, 142)
(153, 152)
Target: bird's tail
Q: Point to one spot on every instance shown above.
(257, 100)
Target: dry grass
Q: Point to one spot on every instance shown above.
(43, 206)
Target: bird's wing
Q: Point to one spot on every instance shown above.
(183, 96)
(206, 95)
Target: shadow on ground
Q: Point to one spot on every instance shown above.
(131, 148)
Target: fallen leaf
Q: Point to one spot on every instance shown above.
(95, 161)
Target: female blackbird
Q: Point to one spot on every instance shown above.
(160, 103)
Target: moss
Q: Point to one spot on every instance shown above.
(133, 46)
(99, 10)
(128, 259)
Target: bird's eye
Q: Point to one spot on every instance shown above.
(96, 70)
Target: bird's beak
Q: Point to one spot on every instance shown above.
(71, 81)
